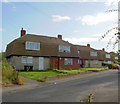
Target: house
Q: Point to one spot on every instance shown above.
(92, 57)
(35, 52)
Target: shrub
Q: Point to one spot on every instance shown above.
(116, 62)
(9, 75)
(110, 66)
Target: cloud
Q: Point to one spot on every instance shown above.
(112, 2)
(80, 40)
(98, 18)
(58, 18)
(76, 31)
(14, 7)
(1, 29)
(5, 1)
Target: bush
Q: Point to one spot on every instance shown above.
(9, 75)
(110, 66)
(116, 62)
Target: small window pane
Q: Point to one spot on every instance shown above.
(116, 58)
(29, 59)
(107, 55)
(68, 61)
(32, 46)
(93, 53)
(24, 59)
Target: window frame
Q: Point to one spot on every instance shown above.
(69, 61)
(62, 48)
(25, 60)
(29, 60)
(116, 58)
(96, 62)
(108, 55)
(93, 53)
(32, 45)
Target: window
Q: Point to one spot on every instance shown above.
(80, 62)
(104, 62)
(116, 58)
(93, 53)
(96, 62)
(24, 59)
(78, 51)
(64, 48)
(109, 62)
(107, 55)
(32, 46)
(68, 61)
(29, 60)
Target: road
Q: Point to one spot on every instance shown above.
(70, 91)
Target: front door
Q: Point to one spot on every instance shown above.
(41, 63)
(56, 63)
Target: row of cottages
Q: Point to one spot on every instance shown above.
(35, 52)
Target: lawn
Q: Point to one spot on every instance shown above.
(72, 71)
(41, 75)
(96, 68)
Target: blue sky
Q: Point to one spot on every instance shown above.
(78, 22)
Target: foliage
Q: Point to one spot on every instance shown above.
(9, 75)
(96, 68)
(108, 65)
(116, 62)
(116, 35)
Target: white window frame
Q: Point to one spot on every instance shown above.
(93, 53)
(30, 60)
(32, 45)
(116, 58)
(68, 61)
(109, 62)
(96, 62)
(24, 59)
(107, 55)
(64, 48)
(79, 61)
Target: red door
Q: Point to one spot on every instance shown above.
(57, 63)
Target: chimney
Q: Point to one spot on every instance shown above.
(60, 37)
(88, 45)
(23, 32)
(103, 49)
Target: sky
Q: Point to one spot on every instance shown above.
(81, 23)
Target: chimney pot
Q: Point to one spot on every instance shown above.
(60, 37)
(23, 32)
(103, 49)
(88, 45)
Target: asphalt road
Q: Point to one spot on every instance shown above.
(70, 91)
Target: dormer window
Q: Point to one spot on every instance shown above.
(107, 55)
(32, 45)
(64, 48)
(116, 58)
(93, 53)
